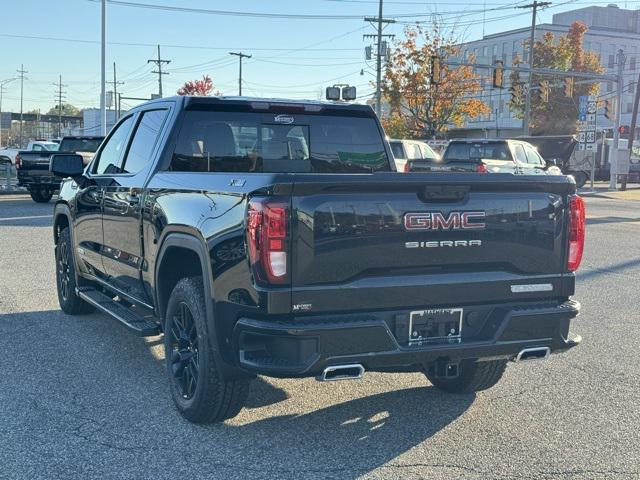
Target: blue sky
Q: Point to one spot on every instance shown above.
(293, 58)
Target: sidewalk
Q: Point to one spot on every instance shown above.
(601, 189)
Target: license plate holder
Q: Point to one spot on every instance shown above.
(435, 325)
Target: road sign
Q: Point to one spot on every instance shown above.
(582, 103)
(581, 147)
(590, 147)
(582, 117)
(591, 136)
(591, 117)
(582, 137)
(591, 107)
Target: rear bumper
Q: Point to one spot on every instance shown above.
(305, 346)
(28, 180)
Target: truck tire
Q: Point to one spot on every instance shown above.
(197, 387)
(69, 302)
(473, 376)
(41, 196)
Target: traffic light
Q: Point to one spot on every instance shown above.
(624, 129)
(568, 87)
(435, 69)
(543, 87)
(516, 93)
(610, 109)
(498, 74)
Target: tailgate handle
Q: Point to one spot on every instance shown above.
(434, 193)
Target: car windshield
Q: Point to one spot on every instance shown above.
(80, 144)
(212, 141)
(475, 151)
(52, 147)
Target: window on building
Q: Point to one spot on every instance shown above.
(632, 63)
(629, 107)
(631, 87)
(485, 51)
(612, 61)
(608, 86)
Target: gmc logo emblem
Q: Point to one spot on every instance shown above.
(437, 221)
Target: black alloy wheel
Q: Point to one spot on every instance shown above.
(183, 343)
(64, 271)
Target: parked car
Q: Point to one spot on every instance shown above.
(488, 156)
(267, 237)
(33, 166)
(404, 150)
(9, 154)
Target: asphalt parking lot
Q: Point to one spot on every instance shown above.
(82, 398)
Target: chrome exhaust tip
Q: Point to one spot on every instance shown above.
(342, 372)
(535, 353)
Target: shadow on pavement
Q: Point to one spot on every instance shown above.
(600, 220)
(616, 268)
(85, 379)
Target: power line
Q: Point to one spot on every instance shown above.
(115, 84)
(159, 61)
(288, 16)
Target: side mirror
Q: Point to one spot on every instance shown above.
(66, 165)
(552, 162)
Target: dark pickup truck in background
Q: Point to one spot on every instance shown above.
(268, 237)
(33, 166)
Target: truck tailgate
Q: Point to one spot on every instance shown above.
(396, 241)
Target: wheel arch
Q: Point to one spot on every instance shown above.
(177, 255)
(61, 220)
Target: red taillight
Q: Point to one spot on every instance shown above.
(267, 224)
(406, 168)
(576, 232)
(18, 161)
(481, 168)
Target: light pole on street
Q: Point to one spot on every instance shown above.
(103, 69)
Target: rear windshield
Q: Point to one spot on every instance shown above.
(397, 150)
(271, 142)
(476, 151)
(80, 144)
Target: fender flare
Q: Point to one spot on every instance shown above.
(192, 242)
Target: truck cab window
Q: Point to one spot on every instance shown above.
(110, 157)
(253, 142)
(144, 140)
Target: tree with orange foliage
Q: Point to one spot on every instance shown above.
(415, 104)
(199, 88)
(560, 114)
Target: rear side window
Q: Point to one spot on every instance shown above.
(80, 144)
(144, 140)
(518, 151)
(414, 152)
(270, 142)
(397, 150)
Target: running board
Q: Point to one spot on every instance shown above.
(143, 326)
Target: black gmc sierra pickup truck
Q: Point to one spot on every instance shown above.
(275, 238)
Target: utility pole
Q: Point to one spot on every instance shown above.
(103, 69)
(379, 21)
(115, 84)
(21, 73)
(240, 56)
(527, 105)
(159, 61)
(634, 115)
(59, 95)
(613, 165)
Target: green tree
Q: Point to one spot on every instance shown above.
(559, 115)
(67, 109)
